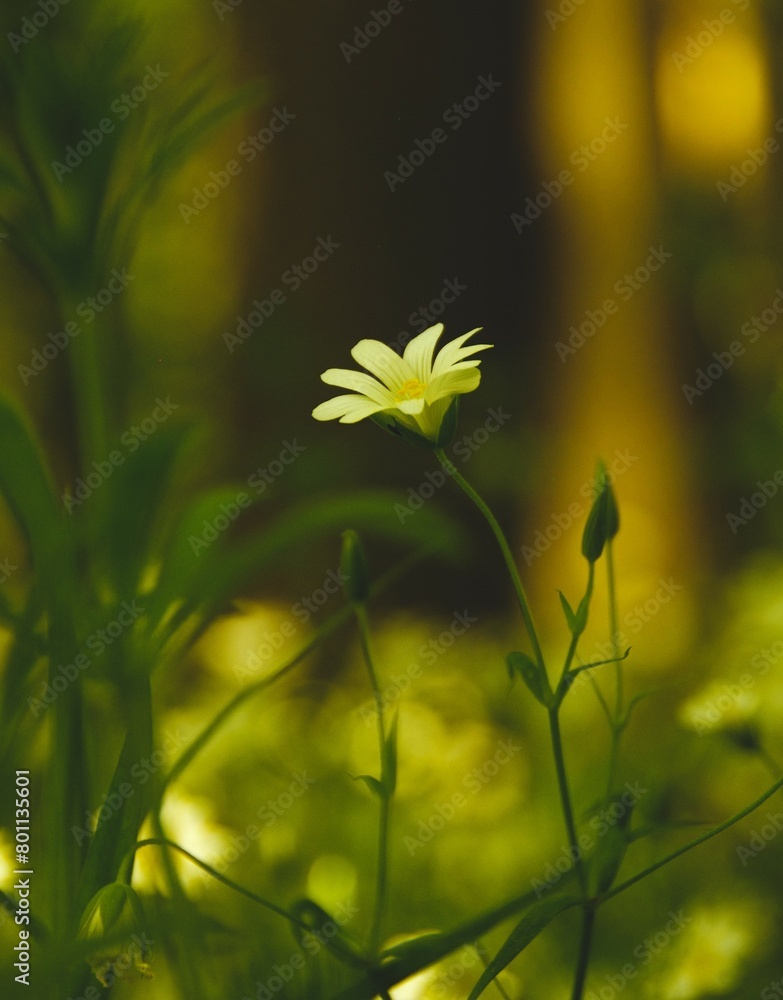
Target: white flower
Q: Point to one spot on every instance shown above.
(414, 390)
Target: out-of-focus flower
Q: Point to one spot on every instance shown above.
(114, 920)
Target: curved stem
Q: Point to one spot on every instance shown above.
(165, 842)
(450, 469)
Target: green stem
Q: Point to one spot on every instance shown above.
(617, 719)
(165, 842)
(383, 824)
(565, 795)
(497, 531)
(585, 946)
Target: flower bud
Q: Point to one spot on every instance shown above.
(113, 920)
(354, 570)
(603, 521)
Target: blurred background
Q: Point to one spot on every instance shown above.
(597, 185)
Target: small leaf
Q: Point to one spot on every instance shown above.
(528, 928)
(373, 784)
(568, 611)
(530, 674)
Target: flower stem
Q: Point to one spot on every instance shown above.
(585, 945)
(565, 795)
(451, 470)
(383, 824)
(617, 723)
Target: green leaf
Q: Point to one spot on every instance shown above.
(569, 613)
(27, 487)
(528, 928)
(375, 786)
(590, 666)
(610, 848)
(530, 674)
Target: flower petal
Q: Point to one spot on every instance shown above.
(418, 353)
(359, 382)
(452, 383)
(381, 361)
(454, 352)
(410, 405)
(349, 409)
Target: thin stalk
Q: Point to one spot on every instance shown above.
(565, 795)
(497, 531)
(617, 719)
(585, 946)
(218, 876)
(383, 823)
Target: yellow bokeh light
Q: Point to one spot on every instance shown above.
(331, 880)
(714, 107)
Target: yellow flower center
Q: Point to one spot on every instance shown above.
(412, 389)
